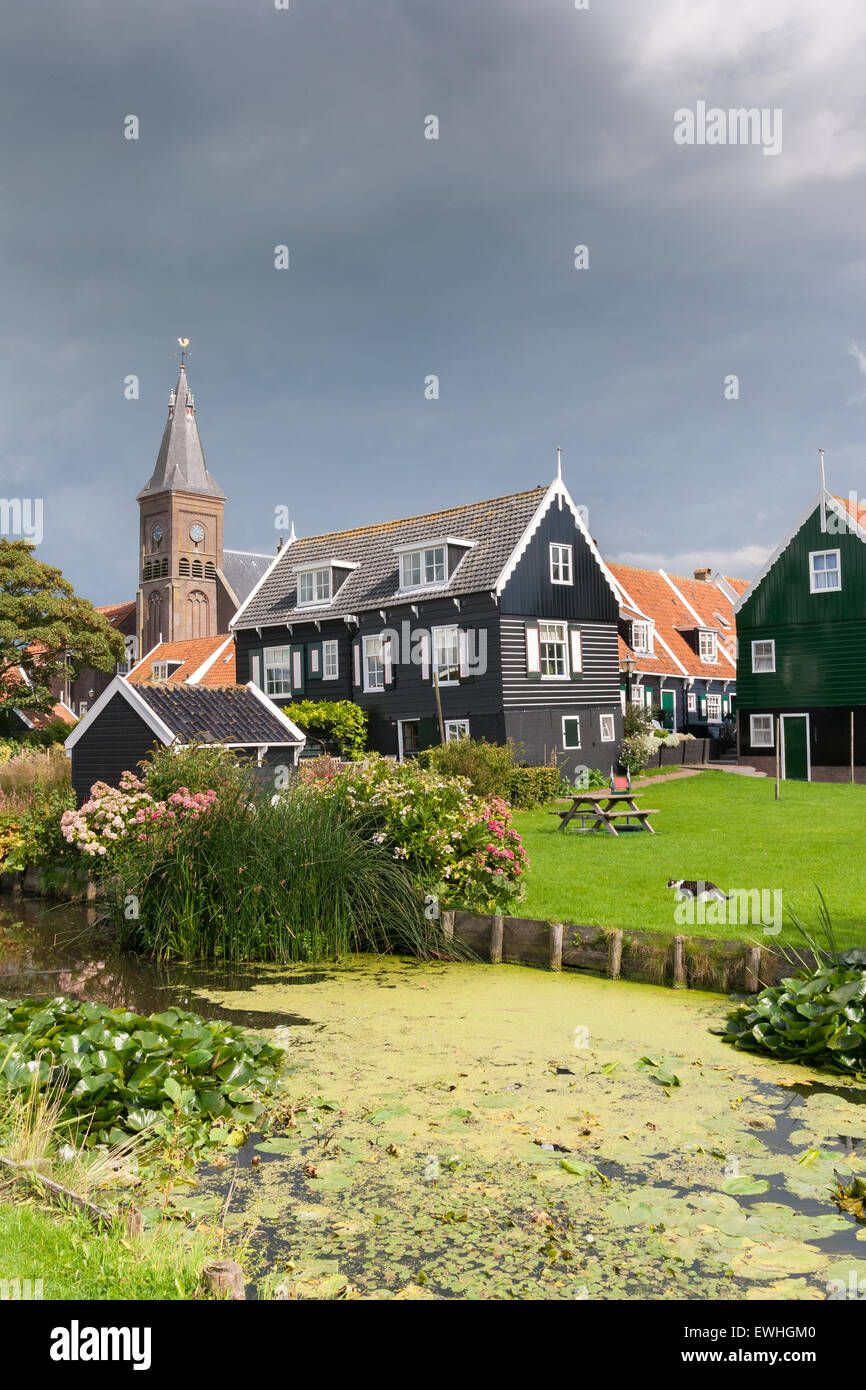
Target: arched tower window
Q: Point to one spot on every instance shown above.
(210, 570)
(196, 569)
(197, 614)
(154, 621)
(183, 567)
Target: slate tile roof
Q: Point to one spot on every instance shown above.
(223, 714)
(192, 655)
(242, 570)
(654, 598)
(180, 464)
(495, 525)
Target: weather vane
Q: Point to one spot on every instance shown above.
(184, 349)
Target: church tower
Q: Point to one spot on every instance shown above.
(181, 534)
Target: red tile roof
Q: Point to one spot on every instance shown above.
(116, 612)
(192, 655)
(668, 604)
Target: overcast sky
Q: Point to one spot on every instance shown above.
(411, 257)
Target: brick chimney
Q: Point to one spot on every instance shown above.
(703, 576)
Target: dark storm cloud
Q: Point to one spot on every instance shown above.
(409, 257)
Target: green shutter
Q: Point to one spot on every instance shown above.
(257, 668)
(314, 661)
(571, 732)
(702, 706)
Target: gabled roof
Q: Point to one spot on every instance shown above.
(242, 570)
(16, 677)
(676, 605)
(238, 716)
(853, 516)
(495, 526)
(116, 613)
(203, 661)
(180, 465)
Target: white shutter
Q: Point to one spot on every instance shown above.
(256, 672)
(356, 658)
(533, 652)
(576, 653)
(463, 651)
(386, 660)
(425, 656)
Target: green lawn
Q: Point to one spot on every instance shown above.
(717, 827)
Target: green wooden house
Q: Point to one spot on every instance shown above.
(801, 664)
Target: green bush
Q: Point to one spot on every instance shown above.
(638, 744)
(288, 879)
(340, 720)
(534, 786)
(199, 767)
(487, 767)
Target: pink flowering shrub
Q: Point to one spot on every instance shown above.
(114, 813)
(459, 846)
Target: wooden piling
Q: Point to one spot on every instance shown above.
(614, 955)
(555, 930)
(752, 971)
(679, 981)
(497, 932)
(224, 1279)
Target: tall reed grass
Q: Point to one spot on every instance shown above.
(33, 772)
(252, 881)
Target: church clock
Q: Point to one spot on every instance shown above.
(196, 532)
(156, 534)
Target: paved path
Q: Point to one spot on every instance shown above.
(695, 771)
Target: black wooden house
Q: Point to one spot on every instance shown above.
(120, 730)
(507, 601)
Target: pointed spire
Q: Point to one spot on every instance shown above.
(180, 465)
(559, 463)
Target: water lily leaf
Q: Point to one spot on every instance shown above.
(745, 1186)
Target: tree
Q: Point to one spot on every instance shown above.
(342, 720)
(46, 630)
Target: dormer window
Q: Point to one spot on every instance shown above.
(320, 581)
(314, 586)
(164, 670)
(419, 568)
(642, 638)
(708, 646)
(432, 565)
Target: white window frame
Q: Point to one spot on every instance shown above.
(691, 703)
(642, 645)
(566, 718)
(561, 563)
(607, 722)
(712, 638)
(754, 740)
(759, 669)
(435, 647)
(813, 575)
(330, 657)
(367, 657)
(565, 674)
(427, 565)
(456, 729)
(716, 704)
(321, 587)
(273, 661)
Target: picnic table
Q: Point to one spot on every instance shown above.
(604, 810)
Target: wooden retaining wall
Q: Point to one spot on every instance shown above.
(683, 962)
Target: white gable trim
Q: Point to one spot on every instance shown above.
(722, 584)
(120, 686)
(832, 505)
(296, 736)
(145, 658)
(683, 600)
(207, 663)
(558, 490)
(280, 555)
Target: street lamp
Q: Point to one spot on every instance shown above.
(629, 664)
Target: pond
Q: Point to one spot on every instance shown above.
(492, 1131)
